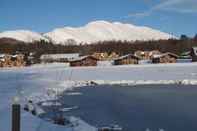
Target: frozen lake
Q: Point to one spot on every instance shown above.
(168, 107)
(171, 108)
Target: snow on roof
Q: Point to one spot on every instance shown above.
(187, 53)
(125, 56)
(59, 56)
(164, 54)
(82, 57)
(17, 55)
(157, 55)
(2, 55)
(195, 50)
(2, 59)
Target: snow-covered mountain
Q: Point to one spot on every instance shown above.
(23, 35)
(105, 31)
(90, 33)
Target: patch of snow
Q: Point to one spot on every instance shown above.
(144, 62)
(73, 93)
(23, 35)
(69, 108)
(104, 63)
(51, 104)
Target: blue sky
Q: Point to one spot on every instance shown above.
(172, 16)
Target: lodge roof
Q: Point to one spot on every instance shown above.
(82, 58)
(164, 54)
(2, 55)
(59, 56)
(194, 50)
(125, 56)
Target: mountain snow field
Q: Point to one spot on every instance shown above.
(23, 35)
(90, 33)
(105, 31)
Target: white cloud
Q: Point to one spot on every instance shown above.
(180, 6)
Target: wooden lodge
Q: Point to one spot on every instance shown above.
(18, 60)
(100, 55)
(5, 60)
(12, 60)
(146, 55)
(113, 55)
(103, 56)
(194, 54)
(165, 58)
(127, 59)
(84, 61)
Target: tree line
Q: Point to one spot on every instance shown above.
(176, 46)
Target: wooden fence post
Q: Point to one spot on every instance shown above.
(16, 111)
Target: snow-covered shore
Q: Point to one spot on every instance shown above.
(30, 83)
(66, 78)
(40, 81)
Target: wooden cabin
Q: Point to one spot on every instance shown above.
(18, 60)
(126, 60)
(146, 55)
(113, 55)
(194, 54)
(165, 58)
(84, 61)
(185, 55)
(105, 56)
(12, 60)
(5, 60)
(100, 55)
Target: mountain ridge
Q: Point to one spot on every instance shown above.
(90, 33)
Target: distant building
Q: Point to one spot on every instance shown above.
(127, 59)
(103, 56)
(146, 55)
(84, 61)
(7, 60)
(113, 55)
(185, 55)
(194, 54)
(100, 55)
(4, 60)
(18, 60)
(49, 58)
(30, 58)
(165, 58)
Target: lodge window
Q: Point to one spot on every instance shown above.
(13, 58)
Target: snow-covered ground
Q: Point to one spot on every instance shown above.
(40, 81)
(30, 83)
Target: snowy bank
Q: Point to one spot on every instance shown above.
(41, 82)
(31, 83)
